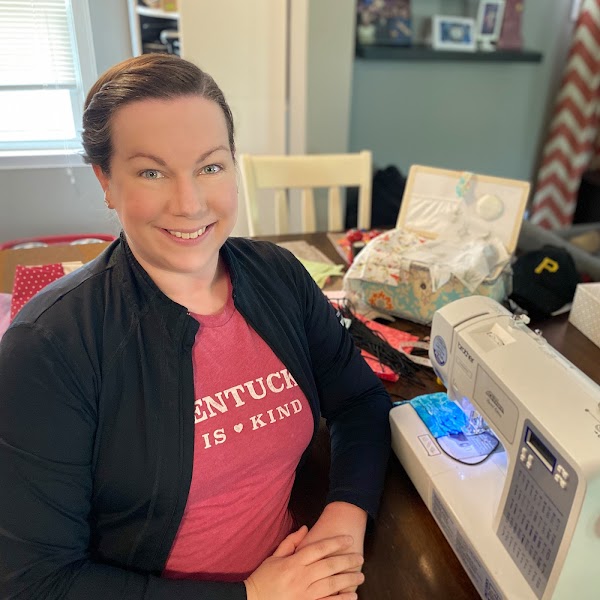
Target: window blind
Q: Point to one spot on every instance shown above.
(36, 44)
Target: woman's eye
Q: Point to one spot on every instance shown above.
(209, 169)
(151, 174)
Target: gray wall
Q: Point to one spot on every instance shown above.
(37, 202)
(483, 117)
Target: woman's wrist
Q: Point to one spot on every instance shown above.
(346, 510)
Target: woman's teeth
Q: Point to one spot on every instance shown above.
(187, 236)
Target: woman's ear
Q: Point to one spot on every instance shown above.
(103, 179)
(101, 176)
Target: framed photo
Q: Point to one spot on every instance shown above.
(453, 33)
(384, 22)
(489, 22)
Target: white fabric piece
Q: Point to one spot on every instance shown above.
(470, 261)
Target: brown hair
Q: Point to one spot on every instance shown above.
(159, 76)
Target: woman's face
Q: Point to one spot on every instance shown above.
(172, 183)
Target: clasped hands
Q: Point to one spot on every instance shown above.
(321, 564)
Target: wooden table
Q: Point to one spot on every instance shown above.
(406, 554)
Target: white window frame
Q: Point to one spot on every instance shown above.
(85, 60)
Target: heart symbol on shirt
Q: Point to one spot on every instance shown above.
(237, 428)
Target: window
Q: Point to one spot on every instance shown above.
(46, 66)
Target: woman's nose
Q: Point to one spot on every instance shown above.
(188, 199)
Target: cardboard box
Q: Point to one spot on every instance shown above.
(55, 253)
(585, 312)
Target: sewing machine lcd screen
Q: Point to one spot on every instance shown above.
(542, 452)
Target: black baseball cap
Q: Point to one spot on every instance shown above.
(544, 281)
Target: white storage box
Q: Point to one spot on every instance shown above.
(585, 313)
(381, 277)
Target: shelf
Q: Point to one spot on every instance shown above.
(425, 53)
(156, 12)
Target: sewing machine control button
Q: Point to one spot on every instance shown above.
(561, 482)
(529, 461)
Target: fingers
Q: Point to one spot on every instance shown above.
(342, 596)
(332, 586)
(352, 588)
(290, 543)
(318, 550)
(333, 565)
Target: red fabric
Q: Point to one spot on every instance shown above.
(28, 281)
(394, 338)
(245, 454)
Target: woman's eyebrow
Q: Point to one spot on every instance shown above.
(206, 154)
(161, 162)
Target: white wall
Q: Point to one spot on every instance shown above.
(245, 50)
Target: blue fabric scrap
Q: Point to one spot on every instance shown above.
(441, 415)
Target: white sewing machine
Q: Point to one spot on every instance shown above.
(525, 523)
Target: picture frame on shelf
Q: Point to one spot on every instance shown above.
(453, 33)
(511, 35)
(384, 22)
(489, 23)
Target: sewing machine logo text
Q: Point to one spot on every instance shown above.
(465, 352)
(499, 409)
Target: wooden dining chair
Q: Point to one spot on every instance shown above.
(307, 172)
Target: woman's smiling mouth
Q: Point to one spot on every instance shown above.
(187, 235)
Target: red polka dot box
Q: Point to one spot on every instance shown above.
(29, 280)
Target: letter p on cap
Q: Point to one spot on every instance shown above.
(547, 264)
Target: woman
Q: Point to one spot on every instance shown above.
(157, 402)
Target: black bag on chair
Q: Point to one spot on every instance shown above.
(388, 188)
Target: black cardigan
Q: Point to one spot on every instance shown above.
(97, 420)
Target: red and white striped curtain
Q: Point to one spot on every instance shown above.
(573, 144)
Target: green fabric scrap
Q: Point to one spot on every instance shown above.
(321, 272)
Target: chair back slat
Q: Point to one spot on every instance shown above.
(306, 172)
(281, 211)
(334, 210)
(309, 217)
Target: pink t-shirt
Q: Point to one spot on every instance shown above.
(252, 424)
